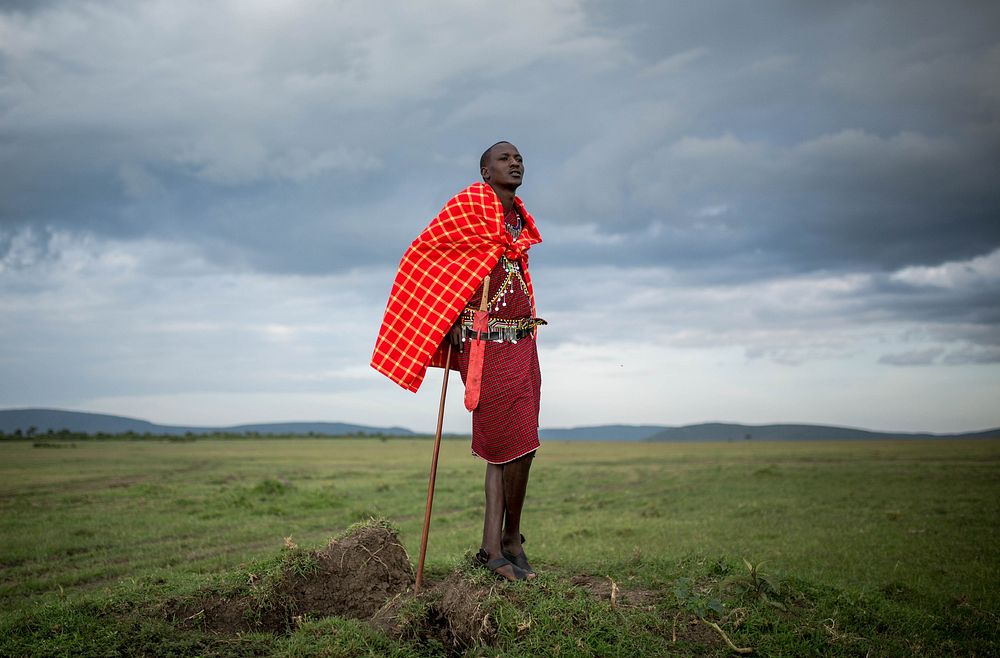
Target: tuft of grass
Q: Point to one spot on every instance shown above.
(334, 637)
(551, 617)
(272, 487)
(373, 521)
(299, 562)
(766, 588)
(92, 627)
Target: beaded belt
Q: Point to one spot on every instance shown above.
(500, 330)
(509, 335)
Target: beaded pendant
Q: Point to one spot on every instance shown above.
(513, 272)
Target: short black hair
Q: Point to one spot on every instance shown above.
(486, 153)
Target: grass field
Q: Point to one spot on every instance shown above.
(891, 548)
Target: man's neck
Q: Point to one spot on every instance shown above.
(506, 196)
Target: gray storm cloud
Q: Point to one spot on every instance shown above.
(819, 172)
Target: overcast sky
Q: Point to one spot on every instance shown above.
(751, 212)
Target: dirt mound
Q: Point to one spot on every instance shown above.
(356, 575)
(352, 577)
(365, 575)
(464, 608)
(455, 612)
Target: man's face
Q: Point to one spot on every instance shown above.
(504, 167)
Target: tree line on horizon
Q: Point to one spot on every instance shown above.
(33, 434)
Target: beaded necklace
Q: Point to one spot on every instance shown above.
(514, 225)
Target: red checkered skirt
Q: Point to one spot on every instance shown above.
(505, 424)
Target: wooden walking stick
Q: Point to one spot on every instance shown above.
(437, 448)
(434, 468)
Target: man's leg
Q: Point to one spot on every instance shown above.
(497, 509)
(515, 484)
(493, 518)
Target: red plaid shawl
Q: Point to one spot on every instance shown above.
(438, 274)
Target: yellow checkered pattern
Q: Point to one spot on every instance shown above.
(439, 272)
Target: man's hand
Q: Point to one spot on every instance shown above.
(455, 335)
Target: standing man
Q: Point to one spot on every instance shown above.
(484, 229)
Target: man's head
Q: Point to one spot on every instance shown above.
(501, 166)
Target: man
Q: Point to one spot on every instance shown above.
(482, 230)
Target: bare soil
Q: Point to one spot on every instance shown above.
(353, 577)
(366, 575)
(356, 576)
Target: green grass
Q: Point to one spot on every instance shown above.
(892, 547)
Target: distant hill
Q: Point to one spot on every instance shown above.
(77, 421)
(602, 433)
(735, 432)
